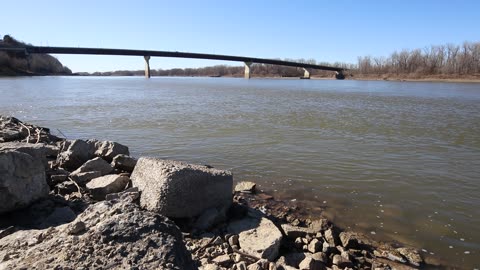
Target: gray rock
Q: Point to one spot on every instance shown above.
(341, 262)
(96, 164)
(131, 193)
(38, 151)
(258, 237)
(84, 177)
(310, 264)
(108, 150)
(315, 246)
(331, 237)
(65, 188)
(223, 260)
(73, 154)
(292, 232)
(292, 259)
(246, 187)
(209, 218)
(76, 227)
(124, 162)
(348, 240)
(101, 186)
(22, 180)
(319, 225)
(254, 266)
(8, 135)
(60, 215)
(181, 190)
(119, 236)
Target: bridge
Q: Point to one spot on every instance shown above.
(248, 61)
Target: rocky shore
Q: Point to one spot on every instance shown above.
(87, 204)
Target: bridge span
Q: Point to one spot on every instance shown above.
(248, 61)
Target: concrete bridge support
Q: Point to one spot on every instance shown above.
(247, 69)
(306, 73)
(339, 75)
(147, 66)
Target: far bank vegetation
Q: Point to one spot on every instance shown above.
(14, 64)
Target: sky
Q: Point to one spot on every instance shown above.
(327, 31)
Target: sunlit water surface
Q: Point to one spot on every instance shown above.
(397, 160)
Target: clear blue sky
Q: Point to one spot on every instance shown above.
(323, 30)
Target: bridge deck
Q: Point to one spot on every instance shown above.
(102, 51)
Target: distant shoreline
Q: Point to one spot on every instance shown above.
(351, 78)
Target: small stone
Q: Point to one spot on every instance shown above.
(330, 237)
(348, 240)
(310, 264)
(341, 262)
(223, 260)
(245, 187)
(314, 246)
(76, 227)
(319, 225)
(254, 266)
(233, 240)
(124, 162)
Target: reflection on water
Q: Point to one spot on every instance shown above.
(401, 160)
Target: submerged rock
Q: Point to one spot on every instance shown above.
(22, 180)
(181, 190)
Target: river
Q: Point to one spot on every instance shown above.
(399, 161)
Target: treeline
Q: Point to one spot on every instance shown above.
(12, 64)
(451, 60)
(257, 70)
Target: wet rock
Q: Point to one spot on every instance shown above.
(181, 190)
(258, 237)
(319, 225)
(96, 164)
(390, 254)
(108, 150)
(124, 162)
(119, 236)
(22, 180)
(73, 154)
(101, 186)
(411, 255)
(246, 187)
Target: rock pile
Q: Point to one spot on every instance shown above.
(86, 204)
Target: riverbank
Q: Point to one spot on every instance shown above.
(87, 179)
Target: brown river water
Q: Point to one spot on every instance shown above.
(399, 161)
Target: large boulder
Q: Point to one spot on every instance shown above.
(107, 235)
(258, 236)
(181, 190)
(101, 186)
(22, 180)
(74, 154)
(38, 151)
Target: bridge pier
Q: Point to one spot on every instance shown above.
(247, 69)
(306, 74)
(339, 75)
(147, 66)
